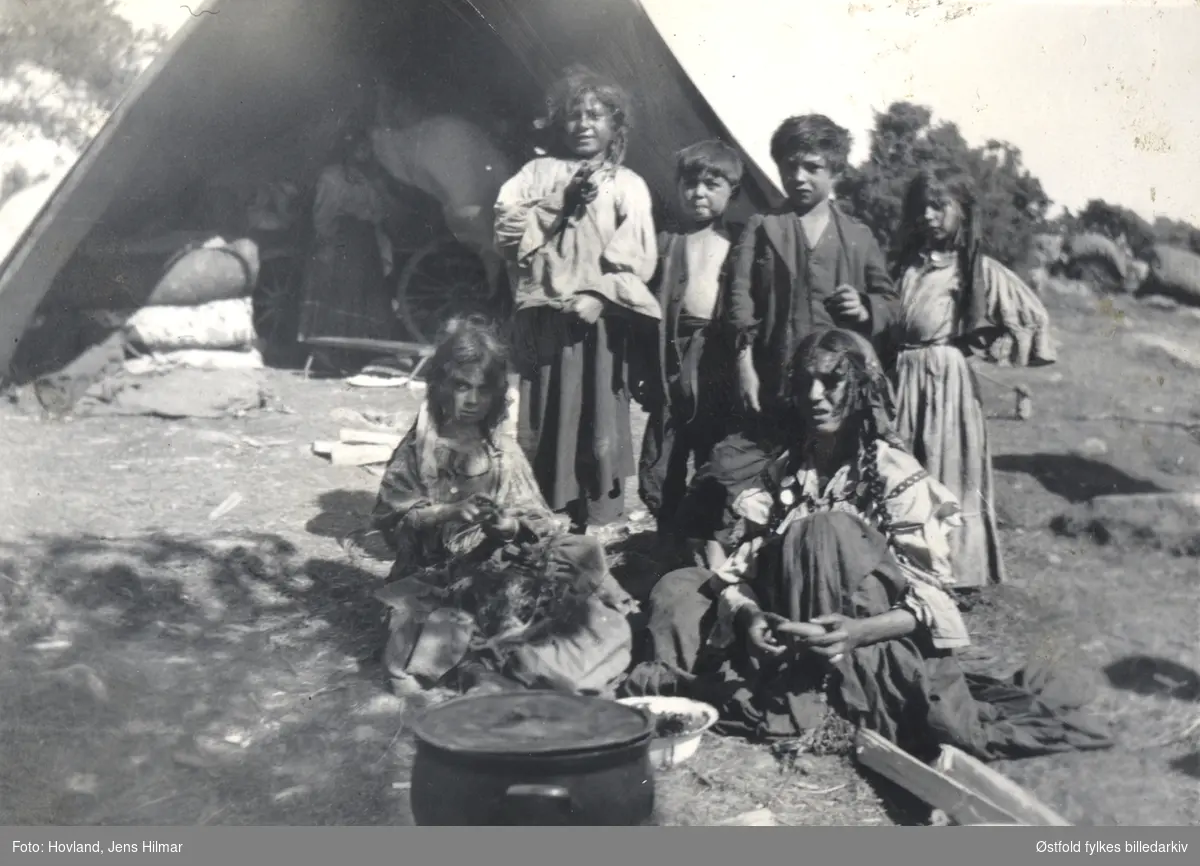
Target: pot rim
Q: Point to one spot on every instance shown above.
(423, 737)
(580, 753)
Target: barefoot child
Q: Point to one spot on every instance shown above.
(577, 232)
(955, 301)
(684, 418)
(806, 268)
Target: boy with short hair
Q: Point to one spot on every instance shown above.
(686, 419)
(807, 267)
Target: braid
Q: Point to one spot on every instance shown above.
(875, 493)
(620, 143)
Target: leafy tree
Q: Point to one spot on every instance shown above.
(904, 139)
(64, 66)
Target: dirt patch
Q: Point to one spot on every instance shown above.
(167, 668)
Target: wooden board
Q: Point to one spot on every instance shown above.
(369, 437)
(359, 455)
(997, 788)
(961, 804)
(368, 344)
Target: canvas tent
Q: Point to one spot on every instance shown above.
(268, 84)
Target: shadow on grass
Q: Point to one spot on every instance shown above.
(1154, 676)
(342, 512)
(1074, 478)
(900, 805)
(346, 516)
(1188, 765)
(169, 681)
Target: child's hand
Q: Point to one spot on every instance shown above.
(846, 306)
(501, 528)
(587, 308)
(749, 385)
(580, 192)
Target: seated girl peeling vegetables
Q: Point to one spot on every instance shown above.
(833, 602)
(492, 590)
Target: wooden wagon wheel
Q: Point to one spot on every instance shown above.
(440, 279)
(277, 302)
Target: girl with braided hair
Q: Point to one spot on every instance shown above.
(956, 302)
(834, 595)
(576, 229)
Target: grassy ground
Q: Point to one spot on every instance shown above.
(162, 667)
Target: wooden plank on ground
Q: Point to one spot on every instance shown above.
(359, 455)
(960, 803)
(369, 437)
(368, 344)
(997, 788)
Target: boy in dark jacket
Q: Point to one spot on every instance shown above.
(686, 415)
(807, 267)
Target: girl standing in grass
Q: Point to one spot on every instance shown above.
(955, 302)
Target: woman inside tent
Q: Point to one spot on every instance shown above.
(345, 285)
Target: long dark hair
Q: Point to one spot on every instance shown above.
(934, 184)
(576, 83)
(867, 410)
(468, 341)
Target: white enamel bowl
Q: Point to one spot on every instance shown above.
(667, 752)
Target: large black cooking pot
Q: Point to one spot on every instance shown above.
(536, 758)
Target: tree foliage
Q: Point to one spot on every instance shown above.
(87, 45)
(905, 139)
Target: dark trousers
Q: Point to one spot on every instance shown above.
(683, 428)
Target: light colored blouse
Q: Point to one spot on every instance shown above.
(1007, 312)
(427, 469)
(920, 511)
(611, 250)
(340, 194)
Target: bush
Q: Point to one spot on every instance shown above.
(904, 139)
(64, 67)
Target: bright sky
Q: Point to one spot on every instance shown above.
(1103, 98)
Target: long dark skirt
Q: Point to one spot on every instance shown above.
(573, 419)
(905, 689)
(345, 293)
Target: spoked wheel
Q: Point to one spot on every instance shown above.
(441, 279)
(277, 304)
